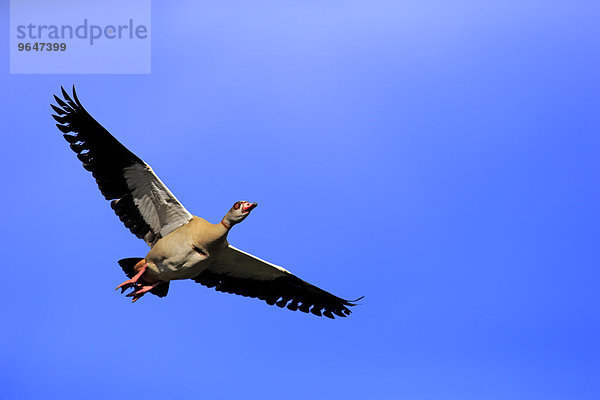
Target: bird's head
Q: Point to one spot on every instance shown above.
(239, 212)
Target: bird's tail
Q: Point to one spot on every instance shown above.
(128, 264)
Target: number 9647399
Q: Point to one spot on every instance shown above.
(37, 46)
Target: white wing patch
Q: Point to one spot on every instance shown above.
(237, 263)
(158, 206)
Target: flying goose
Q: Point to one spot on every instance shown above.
(182, 246)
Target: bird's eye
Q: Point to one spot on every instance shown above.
(236, 205)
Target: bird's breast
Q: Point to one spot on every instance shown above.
(181, 255)
(181, 263)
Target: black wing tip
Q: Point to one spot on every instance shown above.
(354, 302)
(72, 102)
(57, 110)
(329, 311)
(68, 110)
(68, 98)
(341, 310)
(59, 101)
(64, 92)
(75, 97)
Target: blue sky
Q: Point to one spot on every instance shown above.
(439, 158)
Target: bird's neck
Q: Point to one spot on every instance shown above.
(225, 224)
(218, 233)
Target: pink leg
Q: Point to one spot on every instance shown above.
(140, 291)
(133, 281)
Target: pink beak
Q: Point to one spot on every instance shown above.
(249, 207)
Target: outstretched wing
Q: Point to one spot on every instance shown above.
(241, 273)
(144, 204)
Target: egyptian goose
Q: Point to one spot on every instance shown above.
(182, 246)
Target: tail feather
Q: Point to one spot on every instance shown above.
(128, 264)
